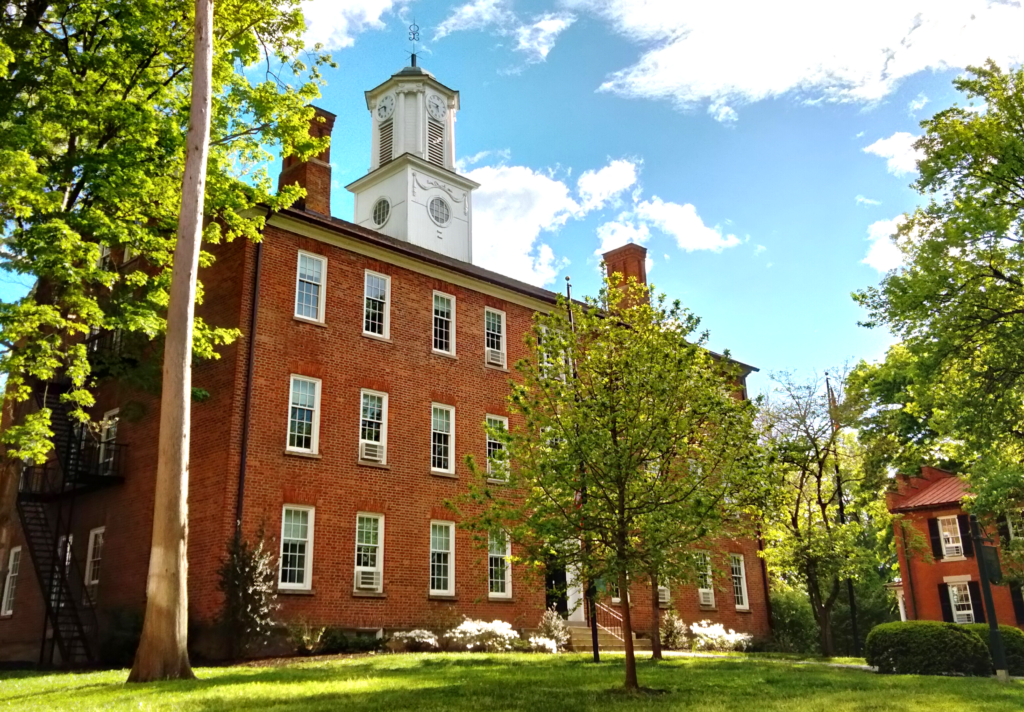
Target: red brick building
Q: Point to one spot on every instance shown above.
(934, 525)
(370, 358)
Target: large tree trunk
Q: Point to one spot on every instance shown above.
(627, 633)
(822, 609)
(655, 620)
(163, 652)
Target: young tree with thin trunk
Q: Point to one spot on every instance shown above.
(649, 428)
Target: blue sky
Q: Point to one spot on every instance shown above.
(729, 138)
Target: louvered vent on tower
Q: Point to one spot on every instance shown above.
(435, 142)
(387, 132)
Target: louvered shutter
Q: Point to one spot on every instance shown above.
(1017, 596)
(936, 537)
(976, 601)
(947, 605)
(965, 534)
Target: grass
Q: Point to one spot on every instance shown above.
(488, 683)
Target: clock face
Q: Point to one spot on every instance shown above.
(385, 107)
(436, 107)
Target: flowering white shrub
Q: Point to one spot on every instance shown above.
(673, 631)
(415, 640)
(543, 645)
(553, 627)
(496, 636)
(713, 637)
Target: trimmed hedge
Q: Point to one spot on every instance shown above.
(1013, 644)
(927, 648)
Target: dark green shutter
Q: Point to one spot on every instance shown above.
(965, 534)
(933, 533)
(1018, 602)
(976, 601)
(947, 606)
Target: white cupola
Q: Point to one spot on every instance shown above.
(412, 191)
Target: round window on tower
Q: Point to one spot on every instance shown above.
(381, 212)
(439, 211)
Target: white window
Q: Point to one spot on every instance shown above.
(373, 427)
(442, 438)
(304, 415)
(296, 548)
(439, 211)
(494, 337)
(444, 323)
(949, 528)
(11, 581)
(376, 309)
(369, 552)
(739, 581)
(442, 558)
(1015, 524)
(497, 464)
(960, 600)
(499, 572)
(664, 595)
(108, 440)
(309, 287)
(93, 557)
(705, 586)
(381, 212)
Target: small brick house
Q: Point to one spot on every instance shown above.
(371, 355)
(932, 524)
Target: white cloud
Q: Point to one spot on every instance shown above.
(727, 54)
(883, 254)
(861, 200)
(759, 249)
(684, 224)
(900, 152)
(463, 164)
(598, 187)
(621, 232)
(536, 40)
(722, 112)
(475, 15)
(512, 207)
(336, 23)
(918, 103)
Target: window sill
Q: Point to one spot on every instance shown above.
(377, 337)
(708, 608)
(371, 463)
(444, 354)
(306, 455)
(953, 558)
(369, 594)
(442, 597)
(496, 481)
(495, 368)
(666, 606)
(446, 475)
(305, 320)
(743, 610)
(500, 599)
(7, 616)
(295, 592)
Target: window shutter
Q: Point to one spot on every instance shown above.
(976, 601)
(933, 532)
(947, 606)
(1017, 596)
(965, 534)
(1004, 531)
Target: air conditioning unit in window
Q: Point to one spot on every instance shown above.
(664, 595)
(707, 597)
(373, 452)
(367, 580)
(495, 357)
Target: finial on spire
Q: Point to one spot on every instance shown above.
(414, 37)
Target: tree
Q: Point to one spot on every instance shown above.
(248, 579)
(952, 392)
(649, 435)
(94, 99)
(814, 473)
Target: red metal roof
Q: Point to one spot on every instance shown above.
(948, 490)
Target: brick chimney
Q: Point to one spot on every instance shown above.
(630, 260)
(314, 174)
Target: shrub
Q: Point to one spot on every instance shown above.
(710, 636)
(305, 637)
(414, 641)
(336, 640)
(493, 637)
(543, 645)
(553, 627)
(442, 621)
(793, 627)
(927, 648)
(673, 631)
(1013, 644)
(248, 579)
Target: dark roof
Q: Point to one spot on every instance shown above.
(948, 490)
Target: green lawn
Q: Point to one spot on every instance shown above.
(537, 683)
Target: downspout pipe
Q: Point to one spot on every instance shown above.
(247, 413)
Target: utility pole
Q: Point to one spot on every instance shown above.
(995, 637)
(590, 591)
(842, 509)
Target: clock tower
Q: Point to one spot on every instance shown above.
(412, 191)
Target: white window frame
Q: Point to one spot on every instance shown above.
(951, 550)
(450, 470)
(307, 583)
(379, 568)
(387, 305)
(1016, 531)
(710, 580)
(322, 300)
(315, 435)
(504, 335)
(508, 566)
(494, 472)
(110, 419)
(953, 589)
(450, 590)
(92, 578)
(11, 582)
(384, 421)
(733, 558)
(451, 328)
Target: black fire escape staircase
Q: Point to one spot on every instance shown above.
(46, 502)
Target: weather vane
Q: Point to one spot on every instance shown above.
(414, 37)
